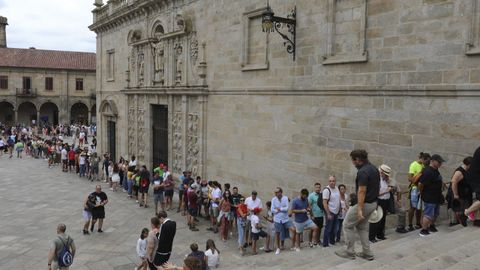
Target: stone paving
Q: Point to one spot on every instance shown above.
(35, 199)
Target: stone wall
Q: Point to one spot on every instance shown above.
(264, 141)
(393, 77)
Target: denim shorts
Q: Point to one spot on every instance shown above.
(414, 198)
(283, 229)
(307, 224)
(431, 211)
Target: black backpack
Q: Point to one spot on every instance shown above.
(320, 199)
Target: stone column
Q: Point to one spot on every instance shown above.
(89, 119)
(3, 32)
(38, 117)
(16, 116)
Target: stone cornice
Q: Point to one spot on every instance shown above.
(180, 90)
(392, 91)
(109, 17)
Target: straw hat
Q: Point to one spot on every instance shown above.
(376, 215)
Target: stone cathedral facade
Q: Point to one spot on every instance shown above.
(197, 84)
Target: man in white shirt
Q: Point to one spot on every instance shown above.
(64, 157)
(252, 202)
(376, 231)
(214, 206)
(283, 224)
(331, 204)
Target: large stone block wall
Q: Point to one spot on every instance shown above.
(393, 77)
(410, 44)
(266, 141)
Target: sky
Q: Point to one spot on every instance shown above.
(49, 24)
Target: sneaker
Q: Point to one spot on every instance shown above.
(433, 228)
(424, 233)
(99, 230)
(345, 254)
(418, 226)
(410, 228)
(277, 251)
(310, 244)
(372, 241)
(382, 238)
(367, 257)
(210, 229)
(297, 249)
(401, 230)
(471, 217)
(194, 229)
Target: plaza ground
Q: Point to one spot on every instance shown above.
(35, 199)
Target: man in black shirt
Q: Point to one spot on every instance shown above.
(98, 212)
(367, 184)
(165, 240)
(431, 189)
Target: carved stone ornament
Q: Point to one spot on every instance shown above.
(193, 148)
(141, 128)
(177, 142)
(194, 49)
(131, 131)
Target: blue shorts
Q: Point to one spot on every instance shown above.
(283, 229)
(299, 227)
(414, 198)
(431, 211)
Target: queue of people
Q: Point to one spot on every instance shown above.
(231, 215)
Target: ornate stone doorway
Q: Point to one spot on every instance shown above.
(159, 134)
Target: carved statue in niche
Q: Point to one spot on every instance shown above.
(159, 57)
(141, 68)
(178, 64)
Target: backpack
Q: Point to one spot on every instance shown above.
(10, 141)
(65, 258)
(144, 182)
(320, 199)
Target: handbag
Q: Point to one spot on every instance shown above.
(391, 204)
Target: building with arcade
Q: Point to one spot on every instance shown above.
(45, 86)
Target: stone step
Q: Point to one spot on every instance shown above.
(402, 251)
(419, 250)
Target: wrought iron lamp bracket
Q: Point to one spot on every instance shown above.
(290, 35)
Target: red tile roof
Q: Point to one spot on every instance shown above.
(46, 59)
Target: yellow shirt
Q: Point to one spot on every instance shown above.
(415, 169)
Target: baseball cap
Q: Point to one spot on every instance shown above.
(437, 158)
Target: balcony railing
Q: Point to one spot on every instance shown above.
(26, 92)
